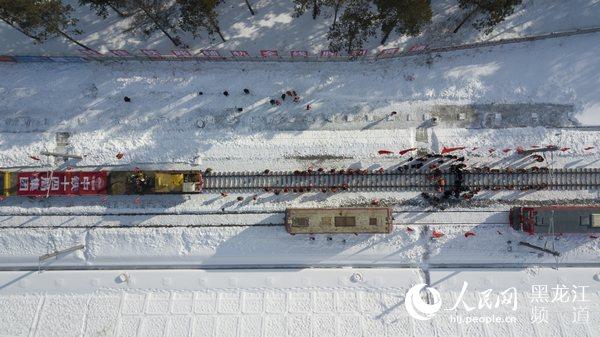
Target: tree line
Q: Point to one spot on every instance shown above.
(353, 21)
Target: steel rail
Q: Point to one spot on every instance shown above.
(430, 266)
(414, 180)
(265, 212)
(401, 224)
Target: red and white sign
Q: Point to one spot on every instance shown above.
(210, 53)
(417, 47)
(181, 53)
(388, 52)
(152, 53)
(269, 53)
(358, 53)
(329, 53)
(299, 53)
(120, 52)
(240, 53)
(61, 183)
(90, 53)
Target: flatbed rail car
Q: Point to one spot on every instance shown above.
(69, 183)
(556, 219)
(371, 220)
(155, 182)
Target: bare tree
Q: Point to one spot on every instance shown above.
(249, 7)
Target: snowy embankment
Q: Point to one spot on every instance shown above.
(407, 245)
(194, 208)
(348, 302)
(167, 121)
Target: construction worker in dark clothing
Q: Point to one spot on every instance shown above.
(538, 158)
(139, 181)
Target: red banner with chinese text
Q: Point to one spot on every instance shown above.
(61, 183)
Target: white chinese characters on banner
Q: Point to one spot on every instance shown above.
(388, 52)
(120, 53)
(211, 53)
(151, 53)
(328, 53)
(299, 53)
(181, 53)
(61, 183)
(269, 53)
(358, 52)
(240, 53)
(89, 53)
(417, 47)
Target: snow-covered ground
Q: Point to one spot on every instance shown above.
(347, 302)
(167, 121)
(411, 243)
(526, 94)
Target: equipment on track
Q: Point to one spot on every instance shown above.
(49, 183)
(69, 183)
(556, 219)
(369, 220)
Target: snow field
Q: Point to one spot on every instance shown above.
(280, 303)
(254, 245)
(161, 124)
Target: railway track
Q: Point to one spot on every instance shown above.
(241, 181)
(453, 224)
(291, 266)
(275, 219)
(411, 180)
(227, 212)
(556, 179)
